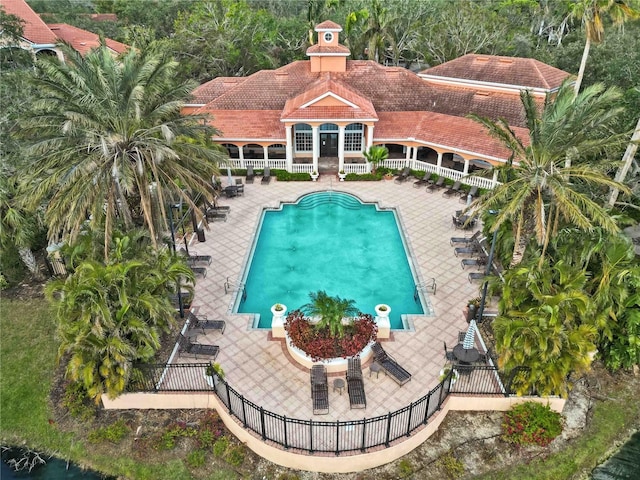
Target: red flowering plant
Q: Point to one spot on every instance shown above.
(531, 423)
(319, 342)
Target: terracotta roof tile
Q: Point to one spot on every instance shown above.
(328, 25)
(317, 50)
(34, 28)
(515, 71)
(212, 89)
(249, 124)
(82, 40)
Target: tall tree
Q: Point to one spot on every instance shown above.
(541, 189)
(592, 14)
(107, 141)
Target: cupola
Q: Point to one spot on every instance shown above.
(328, 55)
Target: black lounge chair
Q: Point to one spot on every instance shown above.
(455, 189)
(239, 186)
(473, 192)
(213, 215)
(389, 365)
(187, 348)
(470, 250)
(199, 271)
(465, 240)
(319, 390)
(193, 258)
(250, 175)
(204, 324)
(403, 176)
(476, 276)
(426, 180)
(266, 175)
(355, 386)
(473, 262)
(436, 186)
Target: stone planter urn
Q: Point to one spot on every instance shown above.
(383, 310)
(314, 176)
(382, 320)
(342, 175)
(279, 312)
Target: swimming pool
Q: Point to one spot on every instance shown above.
(334, 242)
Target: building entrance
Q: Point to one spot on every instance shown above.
(328, 144)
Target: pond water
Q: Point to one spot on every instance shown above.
(53, 469)
(623, 465)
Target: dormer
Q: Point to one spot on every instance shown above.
(328, 55)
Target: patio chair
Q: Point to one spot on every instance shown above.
(355, 386)
(193, 258)
(473, 262)
(389, 365)
(213, 215)
(448, 354)
(437, 185)
(187, 348)
(204, 324)
(476, 276)
(461, 336)
(319, 390)
(250, 175)
(199, 271)
(426, 180)
(239, 186)
(266, 175)
(473, 192)
(455, 189)
(465, 240)
(403, 176)
(470, 250)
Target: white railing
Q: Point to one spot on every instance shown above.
(454, 174)
(357, 168)
(280, 164)
(395, 163)
(302, 168)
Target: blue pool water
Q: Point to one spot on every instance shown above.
(329, 241)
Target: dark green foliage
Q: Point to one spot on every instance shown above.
(284, 176)
(196, 458)
(405, 469)
(365, 177)
(113, 433)
(235, 455)
(531, 423)
(220, 447)
(77, 402)
(452, 467)
(173, 432)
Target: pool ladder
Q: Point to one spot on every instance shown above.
(429, 286)
(231, 286)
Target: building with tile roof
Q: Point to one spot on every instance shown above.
(43, 39)
(330, 107)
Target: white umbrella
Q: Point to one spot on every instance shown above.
(469, 338)
(469, 199)
(229, 177)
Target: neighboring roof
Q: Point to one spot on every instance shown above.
(34, 28)
(387, 88)
(303, 107)
(82, 40)
(513, 71)
(328, 25)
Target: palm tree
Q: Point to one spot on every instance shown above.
(627, 160)
(375, 155)
(541, 188)
(107, 142)
(316, 9)
(331, 311)
(112, 315)
(592, 13)
(378, 31)
(540, 326)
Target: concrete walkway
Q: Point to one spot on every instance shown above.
(260, 369)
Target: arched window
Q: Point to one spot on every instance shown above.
(277, 151)
(303, 137)
(354, 137)
(234, 151)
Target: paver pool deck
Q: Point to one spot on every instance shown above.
(259, 367)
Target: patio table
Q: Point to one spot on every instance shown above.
(466, 355)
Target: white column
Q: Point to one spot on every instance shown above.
(495, 178)
(369, 136)
(415, 153)
(465, 170)
(407, 156)
(241, 156)
(439, 162)
(341, 129)
(289, 147)
(265, 155)
(316, 146)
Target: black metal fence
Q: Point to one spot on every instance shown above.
(318, 436)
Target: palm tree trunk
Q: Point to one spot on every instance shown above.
(29, 259)
(583, 65)
(519, 245)
(627, 159)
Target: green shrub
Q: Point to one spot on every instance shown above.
(173, 432)
(284, 176)
(238, 172)
(113, 433)
(196, 458)
(420, 174)
(3, 282)
(452, 467)
(220, 447)
(77, 402)
(365, 177)
(288, 476)
(404, 468)
(531, 423)
(235, 455)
